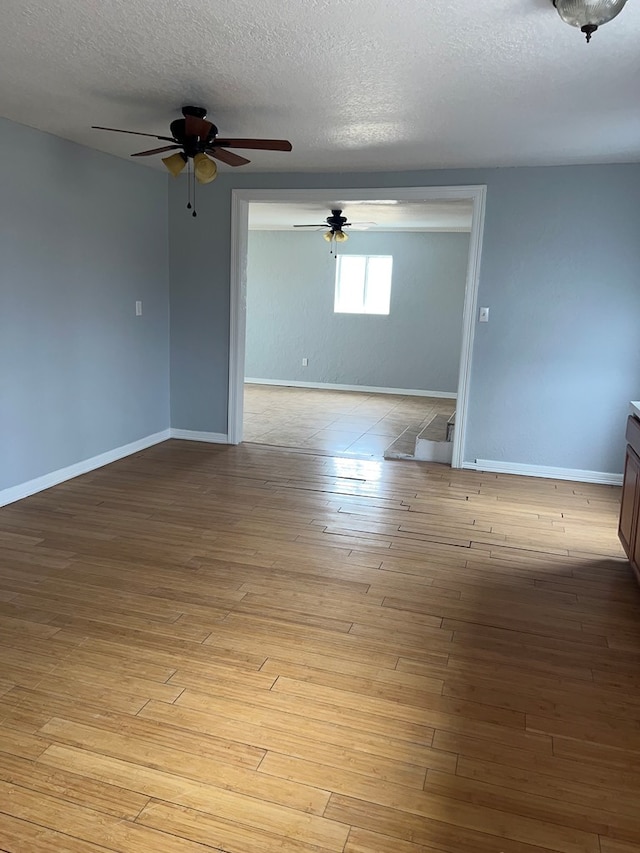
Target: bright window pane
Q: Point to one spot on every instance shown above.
(378, 285)
(350, 280)
(363, 284)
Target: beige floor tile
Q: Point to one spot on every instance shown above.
(348, 422)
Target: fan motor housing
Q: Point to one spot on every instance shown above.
(192, 144)
(336, 220)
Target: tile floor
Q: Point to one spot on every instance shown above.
(351, 422)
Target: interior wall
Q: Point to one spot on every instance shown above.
(83, 235)
(290, 311)
(555, 367)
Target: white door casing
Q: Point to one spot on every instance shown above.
(240, 200)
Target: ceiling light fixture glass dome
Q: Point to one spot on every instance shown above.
(588, 15)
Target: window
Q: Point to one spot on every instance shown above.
(363, 284)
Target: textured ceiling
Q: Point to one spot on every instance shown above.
(354, 84)
(374, 215)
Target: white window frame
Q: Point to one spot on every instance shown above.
(339, 298)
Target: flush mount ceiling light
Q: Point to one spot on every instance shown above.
(588, 15)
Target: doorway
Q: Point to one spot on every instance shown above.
(473, 198)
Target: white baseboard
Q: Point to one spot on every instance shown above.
(366, 389)
(576, 474)
(39, 484)
(195, 435)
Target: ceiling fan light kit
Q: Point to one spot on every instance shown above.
(204, 168)
(175, 163)
(195, 141)
(588, 15)
(335, 237)
(336, 223)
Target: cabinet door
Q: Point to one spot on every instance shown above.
(629, 508)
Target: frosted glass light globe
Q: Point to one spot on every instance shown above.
(588, 15)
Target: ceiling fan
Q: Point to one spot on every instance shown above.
(195, 139)
(336, 223)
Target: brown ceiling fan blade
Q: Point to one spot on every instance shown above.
(227, 157)
(194, 126)
(156, 150)
(134, 133)
(313, 225)
(264, 144)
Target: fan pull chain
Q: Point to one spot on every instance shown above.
(194, 194)
(188, 184)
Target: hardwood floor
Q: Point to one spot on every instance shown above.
(256, 650)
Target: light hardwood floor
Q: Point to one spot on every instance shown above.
(352, 423)
(255, 650)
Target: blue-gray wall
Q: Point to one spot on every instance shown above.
(290, 311)
(554, 369)
(82, 236)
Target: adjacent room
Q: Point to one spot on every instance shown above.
(353, 344)
(242, 609)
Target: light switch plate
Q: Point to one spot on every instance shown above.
(139, 308)
(483, 317)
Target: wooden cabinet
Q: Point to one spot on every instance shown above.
(628, 509)
(629, 529)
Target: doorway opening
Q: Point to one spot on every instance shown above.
(352, 328)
